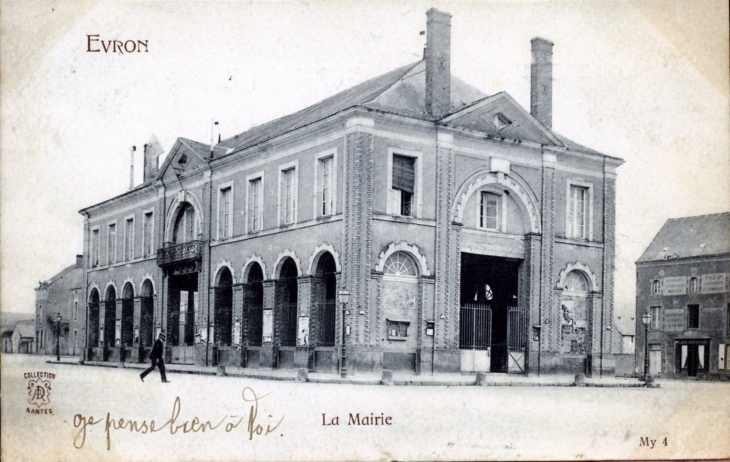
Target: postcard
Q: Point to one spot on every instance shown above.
(365, 230)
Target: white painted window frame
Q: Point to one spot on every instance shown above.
(222, 187)
(150, 212)
(333, 183)
(250, 179)
(416, 207)
(501, 211)
(111, 257)
(569, 231)
(281, 206)
(95, 248)
(129, 252)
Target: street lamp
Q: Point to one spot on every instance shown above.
(344, 297)
(646, 319)
(58, 337)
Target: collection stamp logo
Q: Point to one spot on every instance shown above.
(39, 392)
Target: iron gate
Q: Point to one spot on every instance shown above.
(516, 339)
(475, 337)
(326, 323)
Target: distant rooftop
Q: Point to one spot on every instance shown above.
(687, 237)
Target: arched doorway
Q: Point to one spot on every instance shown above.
(400, 303)
(324, 313)
(222, 316)
(574, 314)
(93, 329)
(110, 313)
(146, 315)
(285, 315)
(253, 313)
(185, 224)
(127, 333)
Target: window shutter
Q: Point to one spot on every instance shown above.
(404, 173)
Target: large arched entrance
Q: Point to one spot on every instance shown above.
(401, 302)
(253, 306)
(324, 314)
(93, 328)
(285, 316)
(223, 313)
(127, 321)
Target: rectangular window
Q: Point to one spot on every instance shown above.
(76, 306)
(397, 329)
(325, 181)
(129, 239)
(111, 244)
(403, 183)
(147, 226)
(489, 211)
(95, 244)
(656, 317)
(255, 205)
(693, 316)
(289, 196)
(577, 212)
(721, 356)
(224, 213)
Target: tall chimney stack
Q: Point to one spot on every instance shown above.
(541, 88)
(152, 151)
(438, 63)
(131, 167)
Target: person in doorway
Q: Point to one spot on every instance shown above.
(157, 359)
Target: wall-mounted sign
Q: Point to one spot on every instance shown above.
(674, 320)
(268, 327)
(676, 285)
(236, 332)
(714, 283)
(303, 331)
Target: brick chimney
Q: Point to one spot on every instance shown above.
(79, 261)
(438, 63)
(541, 88)
(152, 151)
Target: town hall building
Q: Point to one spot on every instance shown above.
(468, 234)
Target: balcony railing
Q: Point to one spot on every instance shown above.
(177, 253)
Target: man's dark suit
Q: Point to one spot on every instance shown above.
(157, 361)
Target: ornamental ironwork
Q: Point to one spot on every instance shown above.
(179, 253)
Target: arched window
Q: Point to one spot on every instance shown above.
(575, 282)
(400, 264)
(693, 284)
(656, 287)
(185, 225)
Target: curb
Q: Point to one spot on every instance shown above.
(405, 383)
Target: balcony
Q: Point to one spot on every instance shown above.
(173, 254)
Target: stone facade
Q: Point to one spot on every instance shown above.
(416, 201)
(682, 283)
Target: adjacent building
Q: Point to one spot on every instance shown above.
(682, 283)
(62, 295)
(469, 235)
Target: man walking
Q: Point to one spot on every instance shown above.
(157, 359)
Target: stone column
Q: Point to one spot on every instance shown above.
(269, 351)
(549, 321)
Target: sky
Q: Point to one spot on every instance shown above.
(646, 81)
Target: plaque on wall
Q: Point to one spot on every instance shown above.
(674, 320)
(714, 283)
(675, 285)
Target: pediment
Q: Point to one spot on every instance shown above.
(500, 116)
(184, 157)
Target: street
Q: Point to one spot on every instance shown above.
(107, 413)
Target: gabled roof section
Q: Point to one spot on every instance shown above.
(355, 96)
(185, 156)
(500, 115)
(699, 236)
(25, 330)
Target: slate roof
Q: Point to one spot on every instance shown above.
(400, 92)
(25, 330)
(686, 237)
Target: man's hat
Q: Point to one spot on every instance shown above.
(161, 336)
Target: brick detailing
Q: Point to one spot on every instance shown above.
(378, 279)
(237, 311)
(456, 293)
(609, 256)
(443, 259)
(316, 292)
(357, 257)
(549, 341)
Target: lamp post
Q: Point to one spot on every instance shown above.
(344, 297)
(646, 319)
(58, 337)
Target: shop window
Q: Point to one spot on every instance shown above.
(656, 317)
(397, 330)
(693, 316)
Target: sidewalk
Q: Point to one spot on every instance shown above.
(399, 378)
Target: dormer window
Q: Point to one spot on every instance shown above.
(501, 121)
